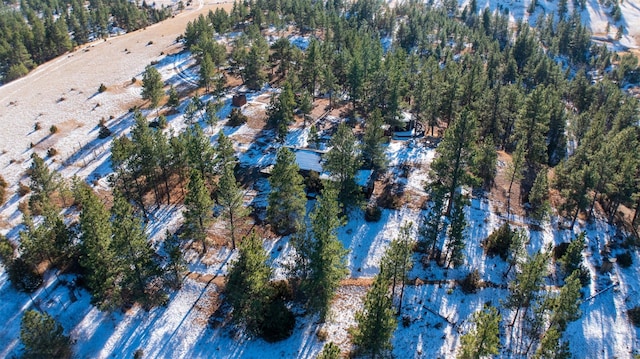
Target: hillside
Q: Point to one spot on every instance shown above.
(195, 322)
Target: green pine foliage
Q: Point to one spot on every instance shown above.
(258, 306)
(152, 86)
(230, 197)
(376, 322)
(398, 261)
(572, 260)
(326, 254)
(373, 155)
(43, 337)
(247, 284)
(133, 256)
(287, 199)
(484, 339)
(450, 169)
(342, 162)
(96, 251)
(199, 207)
(281, 111)
(330, 351)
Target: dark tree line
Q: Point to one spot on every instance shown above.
(42, 30)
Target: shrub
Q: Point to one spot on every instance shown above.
(390, 200)
(560, 250)
(37, 126)
(138, 354)
(624, 259)
(372, 214)
(24, 276)
(471, 282)
(53, 129)
(330, 351)
(52, 152)
(102, 88)
(236, 118)
(322, 334)
(104, 132)
(162, 122)
(23, 189)
(3, 190)
(406, 321)
(133, 80)
(278, 321)
(634, 316)
(498, 242)
(313, 182)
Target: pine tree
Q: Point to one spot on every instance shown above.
(432, 223)
(551, 347)
(174, 98)
(44, 183)
(539, 196)
(372, 149)
(525, 288)
(484, 339)
(514, 170)
(376, 322)
(225, 155)
(247, 287)
(457, 229)
(566, 306)
(43, 336)
(200, 153)
(327, 255)
(287, 199)
(484, 163)
(330, 351)
(176, 264)
(253, 73)
(398, 261)
(133, 255)
(342, 162)
(281, 111)
(96, 253)
(230, 197)
(207, 70)
(198, 204)
(572, 260)
(152, 86)
(454, 157)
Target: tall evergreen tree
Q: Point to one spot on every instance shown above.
(484, 339)
(398, 261)
(327, 255)
(247, 285)
(457, 228)
(198, 212)
(287, 199)
(281, 111)
(373, 155)
(43, 336)
(152, 86)
(451, 167)
(342, 162)
(230, 197)
(96, 251)
(133, 255)
(376, 322)
(176, 265)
